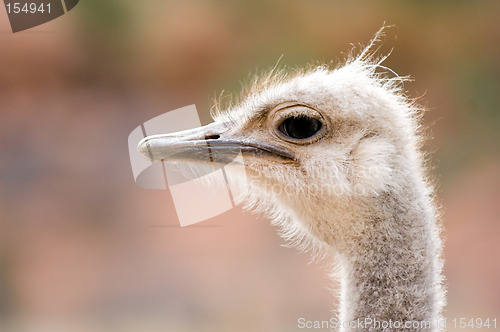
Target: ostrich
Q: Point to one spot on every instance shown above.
(343, 147)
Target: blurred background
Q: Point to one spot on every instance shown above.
(82, 248)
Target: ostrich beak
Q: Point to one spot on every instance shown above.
(210, 143)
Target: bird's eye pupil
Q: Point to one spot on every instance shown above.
(300, 127)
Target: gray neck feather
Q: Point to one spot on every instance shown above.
(391, 267)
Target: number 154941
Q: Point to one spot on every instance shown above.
(27, 8)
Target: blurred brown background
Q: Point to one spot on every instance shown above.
(78, 247)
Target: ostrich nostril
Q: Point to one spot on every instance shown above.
(212, 136)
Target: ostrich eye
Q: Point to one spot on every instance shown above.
(300, 127)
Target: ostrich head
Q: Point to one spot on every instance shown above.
(319, 146)
(332, 155)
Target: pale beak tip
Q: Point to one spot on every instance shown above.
(144, 148)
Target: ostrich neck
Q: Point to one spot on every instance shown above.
(391, 268)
